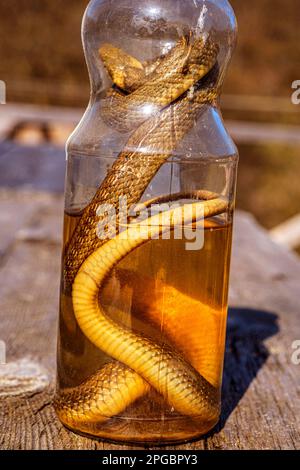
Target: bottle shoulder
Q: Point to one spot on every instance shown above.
(208, 138)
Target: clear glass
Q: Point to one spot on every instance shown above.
(150, 192)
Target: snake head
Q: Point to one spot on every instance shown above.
(123, 68)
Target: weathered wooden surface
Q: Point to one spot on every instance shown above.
(34, 167)
(261, 407)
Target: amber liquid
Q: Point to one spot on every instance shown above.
(172, 295)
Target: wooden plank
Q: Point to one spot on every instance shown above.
(28, 112)
(261, 406)
(287, 233)
(18, 217)
(246, 132)
(39, 167)
(242, 131)
(259, 104)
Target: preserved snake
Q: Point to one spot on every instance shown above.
(174, 91)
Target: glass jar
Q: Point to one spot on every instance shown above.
(150, 192)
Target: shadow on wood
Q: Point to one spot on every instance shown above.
(245, 354)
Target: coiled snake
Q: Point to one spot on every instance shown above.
(175, 89)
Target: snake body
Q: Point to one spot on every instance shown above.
(149, 146)
(163, 86)
(139, 362)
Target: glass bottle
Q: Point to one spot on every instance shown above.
(150, 192)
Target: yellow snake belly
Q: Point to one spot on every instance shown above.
(140, 363)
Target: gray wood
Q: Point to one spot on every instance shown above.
(288, 233)
(261, 406)
(39, 167)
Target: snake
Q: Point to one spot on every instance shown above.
(176, 86)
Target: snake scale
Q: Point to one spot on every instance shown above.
(175, 89)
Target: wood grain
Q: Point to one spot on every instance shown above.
(261, 406)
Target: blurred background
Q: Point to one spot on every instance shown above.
(43, 66)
